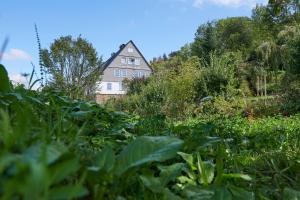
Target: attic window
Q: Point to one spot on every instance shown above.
(130, 50)
(123, 60)
(137, 61)
(131, 61)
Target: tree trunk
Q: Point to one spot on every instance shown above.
(265, 80)
(257, 86)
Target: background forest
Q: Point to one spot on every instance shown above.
(234, 65)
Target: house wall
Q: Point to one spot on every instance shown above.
(115, 89)
(109, 73)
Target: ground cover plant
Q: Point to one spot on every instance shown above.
(72, 149)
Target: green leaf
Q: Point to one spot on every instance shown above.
(64, 168)
(67, 192)
(188, 158)
(146, 150)
(105, 159)
(4, 80)
(239, 176)
(194, 192)
(290, 194)
(167, 174)
(239, 193)
(221, 193)
(209, 141)
(170, 195)
(207, 171)
(152, 183)
(50, 152)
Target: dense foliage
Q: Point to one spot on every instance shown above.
(66, 149)
(230, 62)
(72, 66)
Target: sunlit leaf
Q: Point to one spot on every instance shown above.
(4, 80)
(146, 150)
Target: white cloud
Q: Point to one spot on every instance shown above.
(198, 3)
(16, 54)
(229, 3)
(17, 79)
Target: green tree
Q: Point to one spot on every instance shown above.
(235, 33)
(206, 41)
(73, 66)
(218, 77)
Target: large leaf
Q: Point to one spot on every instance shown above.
(189, 159)
(167, 174)
(198, 193)
(152, 183)
(4, 80)
(237, 176)
(291, 194)
(51, 152)
(104, 160)
(221, 193)
(170, 195)
(67, 192)
(64, 168)
(240, 193)
(146, 150)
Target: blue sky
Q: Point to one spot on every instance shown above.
(156, 26)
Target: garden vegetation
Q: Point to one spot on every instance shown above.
(218, 119)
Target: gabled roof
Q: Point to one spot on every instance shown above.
(111, 59)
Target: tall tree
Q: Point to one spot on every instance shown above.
(73, 66)
(206, 41)
(235, 33)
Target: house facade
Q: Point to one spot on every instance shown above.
(128, 62)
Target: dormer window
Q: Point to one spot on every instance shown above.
(130, 50)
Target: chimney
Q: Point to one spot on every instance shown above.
(122, 46)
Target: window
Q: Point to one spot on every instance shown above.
(135, 74)
(140, 74)
(120, 86)
(108, 86)
(137, 61)
(123, 73)
(120, 73)
(117, 73)
(130, 50)
(123, 60)
(130, 61)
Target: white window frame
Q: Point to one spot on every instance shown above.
(130, 50)
(137, 61)
(130, 61)
(123, 61)
(121, 86)
(135, 74)
(124, 73)
(109, 86)
(117, 73)
(140, 74)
